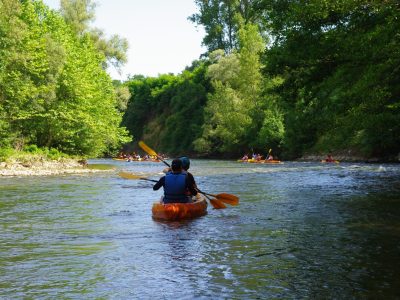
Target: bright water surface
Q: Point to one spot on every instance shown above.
(302, 230)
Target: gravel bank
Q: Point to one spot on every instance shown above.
(41, 168)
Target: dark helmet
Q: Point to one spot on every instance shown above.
(176, 164)
(185, 162)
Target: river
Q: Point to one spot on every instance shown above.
(301, 230)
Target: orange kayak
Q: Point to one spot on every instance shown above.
(179, 211)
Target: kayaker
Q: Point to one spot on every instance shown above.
(176, 184)
(329, 158)
(185, 167)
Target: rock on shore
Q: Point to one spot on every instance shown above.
(45, 167)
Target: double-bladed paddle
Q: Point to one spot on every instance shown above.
(216, 203)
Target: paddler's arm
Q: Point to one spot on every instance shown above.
(159, 183)
(191, 185)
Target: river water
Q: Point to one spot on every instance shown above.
(302, 230)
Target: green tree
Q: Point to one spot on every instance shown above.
(339, 61)
(222, 20)
(122, 95)
(53, 91)
(167, 111)
(236, 109)
(79, 14)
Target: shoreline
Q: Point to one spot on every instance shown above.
(43, 168)
(348, 158)
(71, 166)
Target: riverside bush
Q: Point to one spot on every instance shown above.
(32, 153)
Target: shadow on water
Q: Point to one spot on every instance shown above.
(100, 166)
(302, 230)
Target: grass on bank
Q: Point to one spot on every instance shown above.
(32, 154)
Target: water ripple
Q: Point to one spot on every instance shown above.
(302, 230)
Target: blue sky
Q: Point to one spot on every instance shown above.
(161, 39)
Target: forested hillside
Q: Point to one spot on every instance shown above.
(299, 77)
(168, 111)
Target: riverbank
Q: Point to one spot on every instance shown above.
(46, 167)
(350, 156)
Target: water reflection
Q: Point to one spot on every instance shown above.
(302, 230)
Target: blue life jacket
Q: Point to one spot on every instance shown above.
(175, 188)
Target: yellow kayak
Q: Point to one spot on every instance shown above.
(260, 161)
(250, 160)
(330, 162)
(272, 161)
(179, 211)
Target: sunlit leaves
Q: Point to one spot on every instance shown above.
(78, 14)
(236, 108)
(54, 92)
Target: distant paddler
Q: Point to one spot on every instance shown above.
(329, 159)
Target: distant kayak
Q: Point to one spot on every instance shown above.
(142, 160)
(330, 162)
(273, 161)
(136, 159)
(254, 161)
(179, 211)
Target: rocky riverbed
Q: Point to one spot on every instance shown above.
(46, 167)
(350, 156)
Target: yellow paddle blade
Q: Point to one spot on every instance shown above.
(228, 198)
(151, 152)
(217, 204)
(147, 149)
(127, 175)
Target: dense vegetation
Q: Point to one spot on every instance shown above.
(167, 111)
(54, 91)
(299, 77)
(302, 77)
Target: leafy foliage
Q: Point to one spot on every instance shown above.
(53, 91)
(298, 77)
(78, 14)
(222, 20)
(167, 111)
(327, 80)
(236, 109)
(340, 63)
